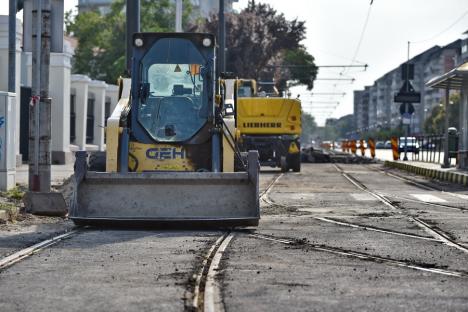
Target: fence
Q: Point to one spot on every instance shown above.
(431, 149)
(428, 148)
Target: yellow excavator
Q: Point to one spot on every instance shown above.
(271, 125)
(170, 145)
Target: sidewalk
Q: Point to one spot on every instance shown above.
(431, 170)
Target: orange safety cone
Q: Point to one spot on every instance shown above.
(371, 144)
(396, 154)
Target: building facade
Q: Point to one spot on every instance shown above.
(383, 112)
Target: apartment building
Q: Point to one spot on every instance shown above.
(383, 112)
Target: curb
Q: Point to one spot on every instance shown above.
(453, 177)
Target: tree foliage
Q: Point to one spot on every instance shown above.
(336, 128)
(308, 127)
(101, 38)
(435, 123)
(261, 44)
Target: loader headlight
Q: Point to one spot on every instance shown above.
(138, 42)
(206, 42)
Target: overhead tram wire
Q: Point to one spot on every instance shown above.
(361, 37)
(443, 31)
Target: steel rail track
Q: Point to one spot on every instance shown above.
(425, 203)
(361, 256)
(369, 228)
(206, 292)
(436, 233)
(375, 229)
(426, 187)
(416, 183)
(264, 194)
(29, 251)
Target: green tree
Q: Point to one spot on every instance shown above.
(262, 44)
(435, 123)
(309, 126)
(101, 38)
(337, 128)
(298, 66)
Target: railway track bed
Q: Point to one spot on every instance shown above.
(350, 252)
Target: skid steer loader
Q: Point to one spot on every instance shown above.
(169, 157)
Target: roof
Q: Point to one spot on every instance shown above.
(454, 79)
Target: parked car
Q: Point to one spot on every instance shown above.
(411, 143)
(388, 144)
(380, 145)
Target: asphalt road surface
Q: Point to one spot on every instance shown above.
(331, 238)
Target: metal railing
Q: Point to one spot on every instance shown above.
(431, 149)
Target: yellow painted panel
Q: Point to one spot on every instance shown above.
(158, 157)
(113, 127)
(228, 155)
(268, 116)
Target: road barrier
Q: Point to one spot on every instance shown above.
(371, 144)
(362, 147)
(396, 154)
(344, 146)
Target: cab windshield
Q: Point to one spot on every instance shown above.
(173, 105)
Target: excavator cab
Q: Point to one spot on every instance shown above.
(168, 159)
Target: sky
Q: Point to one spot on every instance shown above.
(334, 30)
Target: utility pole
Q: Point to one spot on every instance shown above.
(40, 200)
(446, 163)
(178, 16)
(222, 38)
(405, 157)
(133, 26)
(12, 47)
(40, 109)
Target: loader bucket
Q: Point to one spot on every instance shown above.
(161, 198)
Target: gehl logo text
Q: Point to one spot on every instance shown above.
(161, 153)
(262, 124)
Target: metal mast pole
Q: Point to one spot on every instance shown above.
(222, 38)
(446, 132)
(405, 157)
(40, 111)
(12, 47)
(178, 16)
(133, 26)
(34, 181)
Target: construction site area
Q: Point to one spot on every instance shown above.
(159, 156)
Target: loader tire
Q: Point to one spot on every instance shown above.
(97, 161)
(284, 164)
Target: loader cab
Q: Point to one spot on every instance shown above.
(172, 86)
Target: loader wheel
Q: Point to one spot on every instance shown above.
(295, 162)
(284, 164)
(97, 161)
